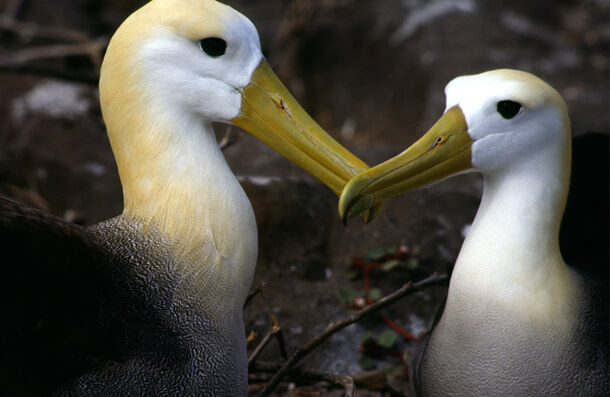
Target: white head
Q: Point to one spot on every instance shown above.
(189, 57)
(495, 122)
(512, 116)
(174, 67)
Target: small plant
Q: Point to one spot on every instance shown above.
(386, 261)
(382, 346)
(401, 257)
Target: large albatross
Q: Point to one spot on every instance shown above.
(150, 302)
(517, 320)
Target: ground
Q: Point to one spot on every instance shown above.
(371, 73)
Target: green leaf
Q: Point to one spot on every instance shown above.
(387, 338)
(375, 254)
(389, 265)
(347, 295)
(366, 362)
(374, 294)
(412, 264)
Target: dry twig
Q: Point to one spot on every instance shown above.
(253, 293)
(346, 382)
(300, 353)
(28, 31)
(92, 49)
(228, 139)
(276, 331)
(67, 42)
(11, 9)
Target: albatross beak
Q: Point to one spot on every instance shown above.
(443, 151)
(270, 113)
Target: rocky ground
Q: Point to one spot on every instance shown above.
(372, 73)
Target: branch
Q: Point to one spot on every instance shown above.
(405, 290)
(253, 293)
(92, 49)
(11, 9)
(344, 381)
(336, 379)
(228, 139)
(27, 31)
(274, 331)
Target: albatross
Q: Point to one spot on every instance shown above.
(517, 320)
(150, 302)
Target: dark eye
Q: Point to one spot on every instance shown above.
(508, 109)
(214, 46)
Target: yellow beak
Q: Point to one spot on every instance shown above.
(443, 151)
(270, 113)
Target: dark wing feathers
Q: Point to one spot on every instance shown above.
(56, 302)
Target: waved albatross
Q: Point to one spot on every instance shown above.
(517, 320)
(150, 302)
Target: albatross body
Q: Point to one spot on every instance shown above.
(150, 302)
(517, 321)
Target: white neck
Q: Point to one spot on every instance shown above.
(511, 255)
(176, 180)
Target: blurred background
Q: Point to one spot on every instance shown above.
(372, 73)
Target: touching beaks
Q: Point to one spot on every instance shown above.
(443, 151)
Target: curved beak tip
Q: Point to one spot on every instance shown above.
(344, 212)
(373, 212)
(353, 202)
(363, 205)
(344, 220)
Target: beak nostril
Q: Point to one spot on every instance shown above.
(279, 101)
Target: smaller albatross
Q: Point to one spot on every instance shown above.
(149, 303)
(517, 320)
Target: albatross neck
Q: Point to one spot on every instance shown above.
(511, 255)
(177, 184)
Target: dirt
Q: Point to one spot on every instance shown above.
(372, 73)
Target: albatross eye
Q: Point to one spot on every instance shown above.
(214, 46)
(508, 109)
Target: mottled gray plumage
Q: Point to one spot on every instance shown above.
(175, 346)
(120, 319)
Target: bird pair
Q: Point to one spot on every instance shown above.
(149, 302)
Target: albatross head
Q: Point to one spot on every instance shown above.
(495, 122)
(175, 66)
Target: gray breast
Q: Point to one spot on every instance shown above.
(175, 344)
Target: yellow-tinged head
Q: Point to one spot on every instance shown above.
(495, 122)
(176, 63)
